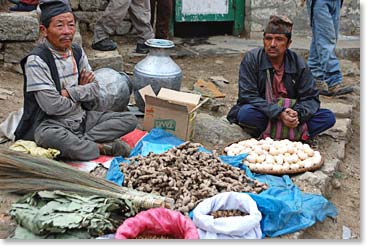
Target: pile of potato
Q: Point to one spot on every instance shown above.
(278, 156)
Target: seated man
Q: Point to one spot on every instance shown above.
(271, 73)
(58, 82)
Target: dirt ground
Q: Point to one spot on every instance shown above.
(346, 197)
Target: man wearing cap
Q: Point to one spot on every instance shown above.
(274, 72)
(58, 84)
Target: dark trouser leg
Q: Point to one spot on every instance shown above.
(52, 134)
(164, 11)
(152, 11)
(321, 121)
(252, 120)
(102, 127)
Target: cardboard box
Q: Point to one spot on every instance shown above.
(173, 111)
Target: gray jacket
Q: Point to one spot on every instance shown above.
(297, 79)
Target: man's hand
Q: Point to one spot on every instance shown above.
(289, 117)
(86, 77)
(65, 93)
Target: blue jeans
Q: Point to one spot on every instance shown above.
(254, 121)
(322, 59)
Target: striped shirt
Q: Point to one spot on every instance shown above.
(39, 80)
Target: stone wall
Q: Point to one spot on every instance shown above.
(260, 10)
(19, 34)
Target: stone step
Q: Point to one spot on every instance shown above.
(110, 59)
(341, 129)
(19, 26)
(341, 110)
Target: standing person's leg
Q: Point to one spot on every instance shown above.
(325, 25)
(152, 12)
(322, 120)
(140, 16)
(252, 120)
(106, 25)
(164, 11)
(313, 57)
(53, 134)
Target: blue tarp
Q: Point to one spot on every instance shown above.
(285, 209)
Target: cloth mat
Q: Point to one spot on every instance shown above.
(132, 138)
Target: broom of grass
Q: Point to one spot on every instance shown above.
(21, 173)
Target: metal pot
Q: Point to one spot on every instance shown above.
(114, 90)
(157, 70)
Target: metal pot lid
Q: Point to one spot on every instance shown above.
(159, 43)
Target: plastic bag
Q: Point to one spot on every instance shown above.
(158, 221)
(114, 90)
(235, 227)
(30, 147)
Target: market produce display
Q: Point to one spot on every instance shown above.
(270, 156)
(187, 175)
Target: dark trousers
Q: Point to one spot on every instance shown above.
(164, 11)
(254, 121)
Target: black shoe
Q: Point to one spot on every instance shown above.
(23, 7)
(116, 148)
(104, 45)
(142, 48)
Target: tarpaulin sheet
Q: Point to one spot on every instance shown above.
(285, 209)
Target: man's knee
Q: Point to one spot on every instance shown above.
(251, 116)
(48, 136)
(329, 117)
(130, 122)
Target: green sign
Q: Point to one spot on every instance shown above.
(165, 124)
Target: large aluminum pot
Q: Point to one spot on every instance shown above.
(156, 69)
(115, 90)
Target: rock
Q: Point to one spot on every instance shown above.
(216, 133)
(314, 182)
(341, 129)
(87, 17)
(93, 5)
(335, 183)
(15, 51)
(349, 68)
(341, 110)
(111, 59)
(330, 166)
(19, 26)
(14, 67)
(214, 105)
(74, 4)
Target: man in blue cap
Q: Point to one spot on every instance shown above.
(58, 84)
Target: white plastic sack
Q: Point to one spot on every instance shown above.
(10, 124)
(235, 227)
